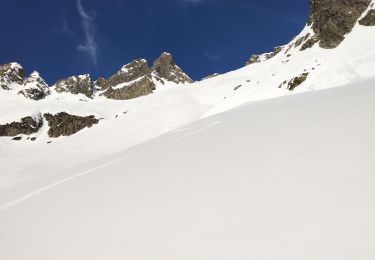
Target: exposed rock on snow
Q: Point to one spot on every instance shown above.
(132, 81)
(64, 124)
(210, 76)
(255, 58)
(11, 73)
(309, 42)
(295, 82)
(76, 85)
(165, 68)
(331, 20)
(27, 126)
(369, 19)
(35, 87)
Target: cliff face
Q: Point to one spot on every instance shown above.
(331, 20)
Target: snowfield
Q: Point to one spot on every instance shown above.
(231, 167)
(289, 178)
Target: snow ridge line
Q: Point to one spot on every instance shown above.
(15, 202)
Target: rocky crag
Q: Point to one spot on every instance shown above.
(330, 21)
(64, 124)
(131, 81)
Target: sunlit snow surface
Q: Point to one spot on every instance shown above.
(202, 171)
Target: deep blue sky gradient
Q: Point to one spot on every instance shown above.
(204, 36)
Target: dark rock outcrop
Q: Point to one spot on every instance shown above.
(165, 68)
(76, 85)
(11, 73)
(309, 42)
(301, 40)
(35, 87)
(27, 126)
(368, 19)
(132, 81)
(295, 82)
(331, 20)
(272, 54)
(141, 87)
(64, 124)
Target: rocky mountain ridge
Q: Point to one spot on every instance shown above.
(299, 64)
(133, 80)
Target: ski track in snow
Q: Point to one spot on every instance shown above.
(194, 130)
(60, 182)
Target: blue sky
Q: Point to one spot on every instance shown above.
(63, 38)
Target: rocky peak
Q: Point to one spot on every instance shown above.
(11, 73)
(129, 72)
(34, 87)
(331, 20)
(165, 68)
(76, 85)
(131, 81)
(35, 78)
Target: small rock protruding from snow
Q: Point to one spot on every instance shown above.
(255, 58)
(210, 76)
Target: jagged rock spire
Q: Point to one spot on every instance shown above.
(165, 68)
(34, 87)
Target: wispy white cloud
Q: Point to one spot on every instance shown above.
(65, 28)
(90, 47)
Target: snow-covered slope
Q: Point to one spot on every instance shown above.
(234, 166)
(290, 178)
